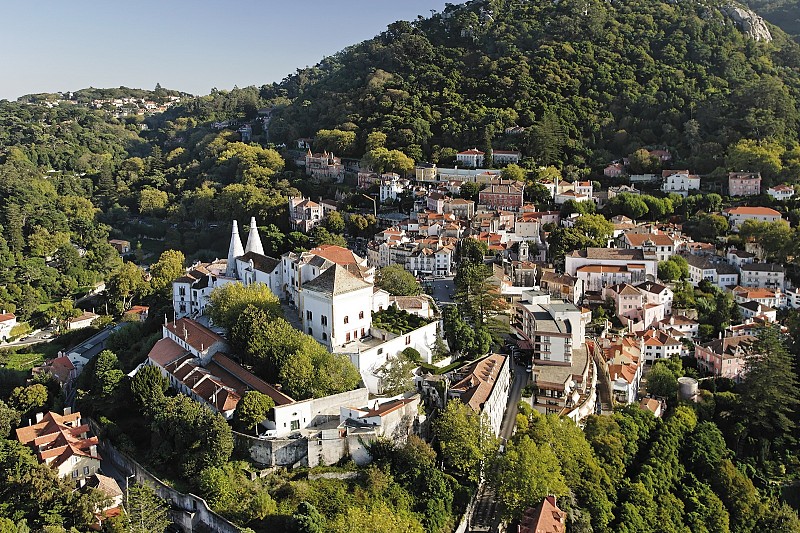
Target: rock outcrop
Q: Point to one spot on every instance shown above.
(750, 23)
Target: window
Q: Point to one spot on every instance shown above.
(347, 337)
(408, 340)
(362, 333)
(74, 459)
(361, 314)
(182, 291)
(324, 320)
(85, 470)
(324, 336)
(75, 473)
(295, 425)
(310, 331)
(309, 315)
(347, 320)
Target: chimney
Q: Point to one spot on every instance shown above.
(39, 417)
(67, 411)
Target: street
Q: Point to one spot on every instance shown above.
(515, 394)
(484, 516)
(34, 337)
(441, 289)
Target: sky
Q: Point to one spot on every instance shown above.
(188, 45)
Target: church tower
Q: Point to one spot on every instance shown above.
(253, 239)
(523, 251)
(235, 250)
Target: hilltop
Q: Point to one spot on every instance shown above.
(587, 79)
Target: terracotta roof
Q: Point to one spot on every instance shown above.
(544, 518)
(608, 268)
(251, 381)
(165, 351)
(5, 317)
(478, 380)
(744, 292)
(731, 346)
(336, 254)
(60, 367)
(754, 211)
(626, 372)
(196, 335)
(57, 438)
(471, 151)
(658, 239)
(649, 286)
(387, 407)
(650, 404)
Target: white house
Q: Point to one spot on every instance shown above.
(764, 275)
(737, 215)
(335, 307)
(657, 345)
(679, 182)
(615, 257)
(781, 192)
(718, 272)
(7, 323)
(484, 387)
(505, 157)
(471, 158)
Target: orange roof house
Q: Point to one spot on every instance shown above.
(62, 442)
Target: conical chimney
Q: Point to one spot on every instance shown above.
(235, 250)
(254, 239)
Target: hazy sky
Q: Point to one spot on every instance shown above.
(190, 45)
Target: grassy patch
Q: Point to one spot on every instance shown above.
(21, 359)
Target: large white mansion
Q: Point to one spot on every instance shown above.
(331, 288)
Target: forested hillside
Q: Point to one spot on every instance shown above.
(588, 78)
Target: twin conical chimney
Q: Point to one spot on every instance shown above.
(235, 250)
(253, 239)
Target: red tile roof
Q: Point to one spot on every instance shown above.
(753, 211)
(57, 438)
(544, 518)
(165, 351)
(197, 336)
(336, 254)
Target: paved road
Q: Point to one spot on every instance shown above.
(35, 337)
(515, 394)
(442, 289)
(485, 516)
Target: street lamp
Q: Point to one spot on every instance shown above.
(127, 503)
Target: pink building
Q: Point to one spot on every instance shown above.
(725, 357)
(744, 183)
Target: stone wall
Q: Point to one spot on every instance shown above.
(190, 512)
(274, 452)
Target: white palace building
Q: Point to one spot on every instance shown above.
(331, 288)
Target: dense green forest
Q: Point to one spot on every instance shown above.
(589, 79)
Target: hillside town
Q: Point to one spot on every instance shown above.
(511, 267)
